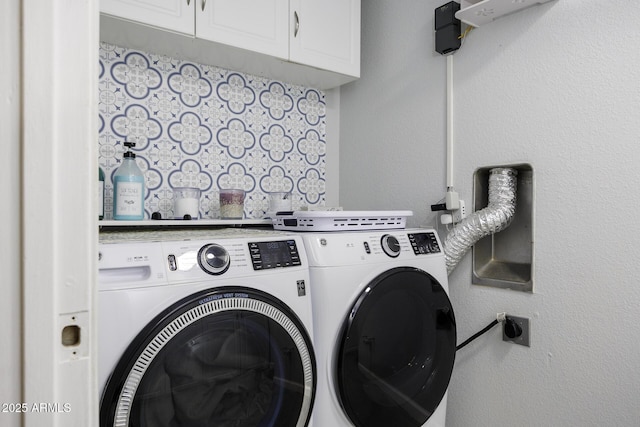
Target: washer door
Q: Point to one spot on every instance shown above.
(223, 357)
(397, 350)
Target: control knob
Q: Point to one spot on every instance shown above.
(390, 245)
(214, 259)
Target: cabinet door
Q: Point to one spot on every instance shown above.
(174, 15)
(326, 34)
(256, 25)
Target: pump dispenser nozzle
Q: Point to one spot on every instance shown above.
(128, 153)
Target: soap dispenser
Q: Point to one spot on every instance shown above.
(128, 188)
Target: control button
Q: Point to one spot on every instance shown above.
(367, 248)
(173, 265)
(433, 244)
(414, 245)
(390, 245)
(214, 259)
(302, 289)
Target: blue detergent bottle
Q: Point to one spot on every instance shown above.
(100, 193)
(128, 188)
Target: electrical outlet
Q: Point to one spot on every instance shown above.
(460, 213)
(524, 337)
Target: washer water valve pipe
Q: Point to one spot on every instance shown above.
(494, 218)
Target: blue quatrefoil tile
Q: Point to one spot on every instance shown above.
(204, 126)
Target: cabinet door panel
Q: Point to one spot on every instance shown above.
(256, 25)
(328, 34)
(174, 15)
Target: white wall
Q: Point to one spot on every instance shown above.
(392, 148)
(556, 86)
(10, 311)
(58, 207)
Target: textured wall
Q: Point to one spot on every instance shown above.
(392, 146)
(11, 215)
(556, 86)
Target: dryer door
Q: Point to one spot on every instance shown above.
(223, 357)
(397, 350)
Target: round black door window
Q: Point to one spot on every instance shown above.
(397, 350)
(227, 357)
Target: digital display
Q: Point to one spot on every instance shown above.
(274, 254)
(424, 243)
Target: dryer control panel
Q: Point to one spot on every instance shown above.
(372, 246)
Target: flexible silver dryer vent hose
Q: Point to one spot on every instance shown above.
(494, 218)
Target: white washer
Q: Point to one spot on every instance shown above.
(205, 328)
(384, 328)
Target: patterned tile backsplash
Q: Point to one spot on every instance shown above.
(202, 126)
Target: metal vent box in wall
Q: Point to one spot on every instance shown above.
(505, 259)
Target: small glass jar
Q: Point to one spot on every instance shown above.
(232, 204)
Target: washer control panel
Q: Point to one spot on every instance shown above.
(274, 254)
(189, 260)
(424, 243)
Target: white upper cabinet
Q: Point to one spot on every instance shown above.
(326, 34)
(256, 25)
(174, 15)
(318, 40)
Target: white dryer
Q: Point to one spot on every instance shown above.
(205, 329)
(384, 328)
